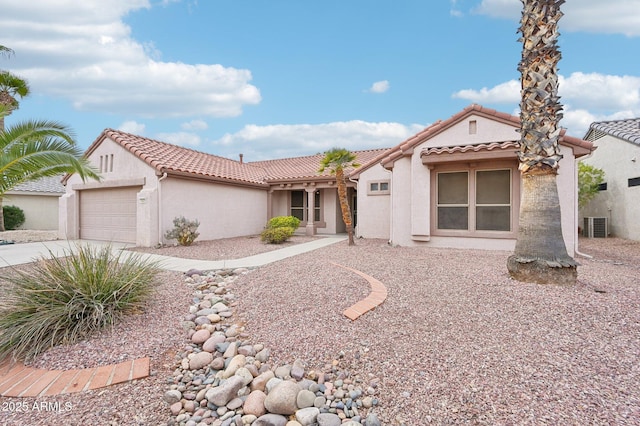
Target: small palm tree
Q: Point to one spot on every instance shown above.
(540, 255)
(10, 86)
(336, 160)
(35, 149)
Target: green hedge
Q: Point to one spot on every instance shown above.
(13, 217)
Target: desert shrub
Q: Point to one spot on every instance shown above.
(283, 222)
(277, 235)
(13, 217)
(184, 231)
(64, 300)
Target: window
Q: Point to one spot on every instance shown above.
(474, 200)
(602, 186)
(378, 187)
(299, 203)
(634, 182)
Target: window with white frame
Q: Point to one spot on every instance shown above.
(380, 187)
(474, 200)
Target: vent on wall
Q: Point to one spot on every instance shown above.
(595, 227)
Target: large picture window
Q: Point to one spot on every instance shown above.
(474, 200)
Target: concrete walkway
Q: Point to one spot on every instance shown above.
(19, 254)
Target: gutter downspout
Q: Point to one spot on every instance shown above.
(390, 242)
(160, 179)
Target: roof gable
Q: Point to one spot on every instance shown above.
(627, 130)
(179, 161)
(581, 147)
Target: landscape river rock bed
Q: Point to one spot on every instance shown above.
(223, 379)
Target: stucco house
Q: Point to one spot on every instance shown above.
(39, 201)
(454, 184)
(618, 154)
(457, 184)
(147, 183)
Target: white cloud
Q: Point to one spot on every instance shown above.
(593, 16)
(508, 92)
(585, 97)
(195, 125)
(179, 138)
(379, 87)
(290, 140)
(83, 52)
(132, 127)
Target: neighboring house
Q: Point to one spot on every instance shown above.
(147, 183)
(457, 184)
(618, 154)
(39, 201)
(454, 184)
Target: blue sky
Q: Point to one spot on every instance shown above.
(282, 78)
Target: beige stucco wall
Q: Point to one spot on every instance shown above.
(40, 209)
(408, 218)
(373, 210)
(619, 203)
(222, 210)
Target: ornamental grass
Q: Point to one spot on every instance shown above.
(66, 299)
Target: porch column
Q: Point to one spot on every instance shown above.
(311, 228)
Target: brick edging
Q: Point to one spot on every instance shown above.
(18, 380)
(374, 299)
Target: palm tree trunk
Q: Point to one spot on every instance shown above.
(344, 203)
(540, 255)
(1, 217)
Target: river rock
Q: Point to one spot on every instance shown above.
(307, 416)
(305, 399)
(200, 336)
(270, 420)
(328, 419)
(282, 398)
(200, 360)
(254, 404)
(228, 389)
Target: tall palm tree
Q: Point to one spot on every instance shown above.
(336, 160)
(540, 254)
(34, 149)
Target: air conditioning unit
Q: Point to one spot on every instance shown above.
(595, 227)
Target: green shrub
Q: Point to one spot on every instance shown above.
(13, 217)
(184, 230)
(283, 222)
(589, 180)
(277, 235)
(64, 300)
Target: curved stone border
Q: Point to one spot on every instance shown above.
(374, 299)
(17, 380)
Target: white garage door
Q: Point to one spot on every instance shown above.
(108, 214)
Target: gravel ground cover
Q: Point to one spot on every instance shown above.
(456, 342)
(223, 249)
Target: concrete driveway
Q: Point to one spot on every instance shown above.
(19, 254)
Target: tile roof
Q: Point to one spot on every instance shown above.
(47, 184)
(628, 130)
(176, 160)
(288, 169)
(179, 161)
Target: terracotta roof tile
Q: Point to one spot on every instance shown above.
(174, 159)
(306, 167)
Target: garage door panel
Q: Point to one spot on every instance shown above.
(109, 214)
